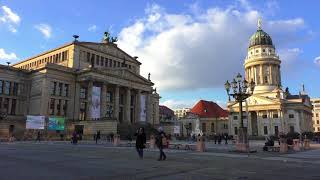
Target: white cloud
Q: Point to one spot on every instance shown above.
(178, 104)
(92, 28)
(45, 29)
(9, 18)
(4, 56)
(317, 60)
(184, 51)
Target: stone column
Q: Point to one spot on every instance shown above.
(261, 74)
(103, 100)
(270, 75)
(75, 102)
(116, 103)
(127, 106)
(149, 109)
(89, 98)
(138, 106)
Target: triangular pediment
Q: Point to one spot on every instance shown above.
(126, 74)
(256, 100)
(110, 49)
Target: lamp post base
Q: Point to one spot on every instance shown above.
(242, 144)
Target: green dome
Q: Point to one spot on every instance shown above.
(260, 38)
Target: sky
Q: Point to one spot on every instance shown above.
(190, 47)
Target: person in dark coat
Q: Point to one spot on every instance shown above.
(219, 139)
(226, 138)
(141, 141)
(215, 138)
(74, 138)
(159, 142)
(38, 136)
(98, 136)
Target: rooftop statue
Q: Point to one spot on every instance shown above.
(107, 38)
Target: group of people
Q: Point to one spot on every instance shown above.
(218, 138)
(141, 141)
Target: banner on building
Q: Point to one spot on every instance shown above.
(35, 122)
(176, 129)
(95, 106)
(56, 123)
(143, 108)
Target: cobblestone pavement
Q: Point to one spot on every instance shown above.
(62, 160)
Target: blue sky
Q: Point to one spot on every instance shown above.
(190, 47)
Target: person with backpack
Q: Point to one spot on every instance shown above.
(141, 141)
(97, 137)
(159, 141)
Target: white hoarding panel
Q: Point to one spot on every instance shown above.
(95, 106)
(35, 122)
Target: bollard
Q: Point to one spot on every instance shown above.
(283, 145)
(152, 142)
(296, 146)
(116, 140)
(306, 144)
(200, 144)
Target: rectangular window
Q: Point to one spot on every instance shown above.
(212, 127)
(7, 85)
(114, 63)
(65, 107)
(317, 121)
(53, 88)
(275, 116)
(204, 128)
(83, 93)
(101, 61)
(97, 60)
(291, 116)
(13, 106)
(110, 62)
(59, 107)
(109, 97)
(6, 105)
(65, 90)
(92, 59)
(82, 115)
(235, 117)
(1, 87)
(264, 116)
(236, 130)
(118, 64)
(292, 129)
(317, 115)
(109, 111)
(15, 89)
(51, 106)
(265, 130)
(276, 130)
(60, 89)
(88, 57)
(106, 63)
(121, 99)
(132, 100)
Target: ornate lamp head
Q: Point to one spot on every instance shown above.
(239, 78)
(234, 85)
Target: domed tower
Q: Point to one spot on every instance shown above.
(262, 64)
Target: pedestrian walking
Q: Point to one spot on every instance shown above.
(74, 138)
(38, 136)
(98, 136)
(159, 142)
(141, 141)
(215, 138)
(226, 138)
(219, 139)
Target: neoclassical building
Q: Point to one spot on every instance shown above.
(316, 114)
(95, 86)
(270, 110)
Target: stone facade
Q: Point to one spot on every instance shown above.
(95, 86)
(315, 114)
(270, 110)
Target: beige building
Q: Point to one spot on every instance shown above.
(95, 86)
(206, 117)
(316, 114)
(180, 113)
(270, 110)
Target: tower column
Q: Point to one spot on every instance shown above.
(261, 74)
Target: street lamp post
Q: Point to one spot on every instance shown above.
(242, 89)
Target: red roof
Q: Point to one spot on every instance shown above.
(164, 110)
(208, 109)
